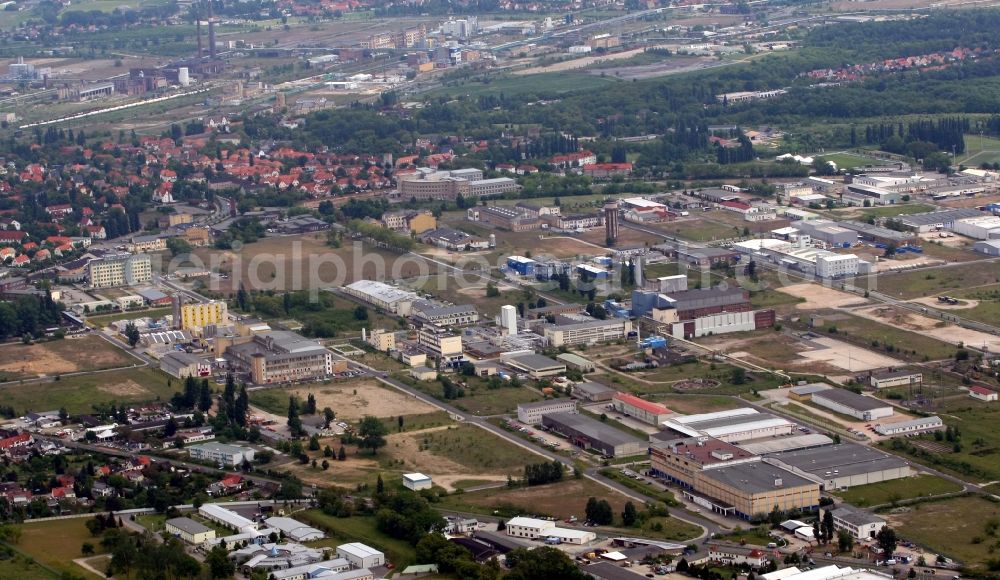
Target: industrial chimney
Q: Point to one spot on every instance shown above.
(211, 32)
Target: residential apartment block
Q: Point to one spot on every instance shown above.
(119, 270)
(199, 315)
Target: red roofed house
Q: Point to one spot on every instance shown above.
(645, 411)
(59, 211)
(229, 484)
(19, 440)
(983, 394)
(607, 170)
(12, 237)
(737, 555)
(63, 493)
(575, 159)
(20, 261)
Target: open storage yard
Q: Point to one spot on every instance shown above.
(89, 353)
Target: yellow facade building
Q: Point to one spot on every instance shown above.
(196, 316)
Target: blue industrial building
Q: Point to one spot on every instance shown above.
(521, 265)
(653, 342)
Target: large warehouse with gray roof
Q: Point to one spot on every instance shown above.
(842, 466)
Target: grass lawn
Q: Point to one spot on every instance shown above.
(153, 522)
(477, 449)
(56, 357)
(849, 161)
(100, 321)
(639, 486)
(55, 544)
(24, 568)
(757, 535)
(979, 458)
(896, 490)
(479, 399)
(909, 285)
(560, 500)
(980, 149)
(358, 529)
(79, 393)
(664, 378)
(771, 298)
(700, 230)
(953, 527)
(539, 84)
(888, 211)
(988, 309)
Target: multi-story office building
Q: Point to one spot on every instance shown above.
(119, 270)
(280, 357)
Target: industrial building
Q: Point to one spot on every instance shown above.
(361, 556)
(589, 332)
(294, 529)
(181, 365)
(800, 256)
(536, 529)
(576, 362)
(432, 313)
(645, 411)
(988, 247)
(731, 426)
(748, 490)
(441, 344)
(532, 413)
(936, 220)
(891, 379)
(828, 232)
(786, 443)
(592, 434)
(417, 481)
(521, 265)
(842, 466)
(852, 404)
(119, 270)
(226, 517)
(861, 524)
(805, 392)
(912, 427)
(382, 295)
(280, 357)
(535, 365)
(986, 227)
(682, 460)
(593, 392)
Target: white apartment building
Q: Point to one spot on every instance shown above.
(119, 270)
(232, 455)
(531, 413)
(590, 332)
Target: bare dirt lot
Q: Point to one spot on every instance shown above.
(353, 401)
(933, 328)
(847, 356)
(126, 388)
(817, 296)
(58, 357)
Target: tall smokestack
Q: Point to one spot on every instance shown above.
(199, 36)
(211, 32)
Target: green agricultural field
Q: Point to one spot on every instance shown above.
(698, 230)
(477, 397)
(897, 490)
(540, 84)
(958, 528)
(24, 568)
(55, 544)
(78, 393)
(359, 529)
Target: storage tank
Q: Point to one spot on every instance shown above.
(183, 78)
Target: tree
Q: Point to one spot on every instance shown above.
(314, 443)
(379, 485)
(361, 313)
(845, 541)
(886, 540)
(828, 527)
(342, 454)
(170, 429)
(739, 376)
(543, 563)
(372, 433)
(294, 422)
(491, 290)
(219, 564)
(599, 511)
(328, 417)
(131, 334)
(310, 405)
(205, 397)
(630, 514)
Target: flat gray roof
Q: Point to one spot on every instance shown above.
(851, 399)
(535, 362)
(188, 525)
(546, 403)
(810, 388)
(731, 420)
(844, 458)
(858, 517)
(592, 428)
(756, 477)
(938, 217)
